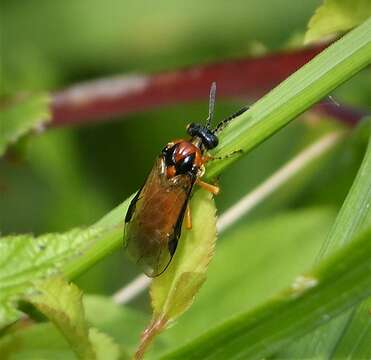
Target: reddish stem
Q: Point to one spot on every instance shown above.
(156, 326)
(344, 113)
(251, 77)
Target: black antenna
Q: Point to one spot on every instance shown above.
(211, 104)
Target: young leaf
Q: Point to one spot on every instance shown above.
(24, 259)
(61, 303)
(246, 263)
(44, 341)
(19, 118)
(104, 347)
(173, 292)
(39, 341)
(312, 300)
(124, 324)
(336, 16)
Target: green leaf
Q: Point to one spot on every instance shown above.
(24, 259)
(336, 16)
(44, 341)
(20, 117)
(173, 292)
(103, 346)
(122, 323)
(40, 341)
(61, 303)
(295, 236)
(312, 300)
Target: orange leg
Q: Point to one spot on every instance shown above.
(207, 158)
(211, 188)
(188, 217)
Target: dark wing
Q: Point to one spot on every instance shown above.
(155, 217)
(131, 207)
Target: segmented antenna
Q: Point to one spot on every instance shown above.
(211, 104)
(227, 120)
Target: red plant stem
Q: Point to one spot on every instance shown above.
(251, 78)
(347, 114)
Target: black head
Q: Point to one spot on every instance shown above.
(208, 138)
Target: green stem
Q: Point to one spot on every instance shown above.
(300, 91)
(307, 86)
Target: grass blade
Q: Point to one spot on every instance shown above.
(312, 300)
(356, 339)
(354, 216)
(308, 85)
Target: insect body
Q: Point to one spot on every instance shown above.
(155, 216)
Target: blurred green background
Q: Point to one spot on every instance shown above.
(70, 177)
